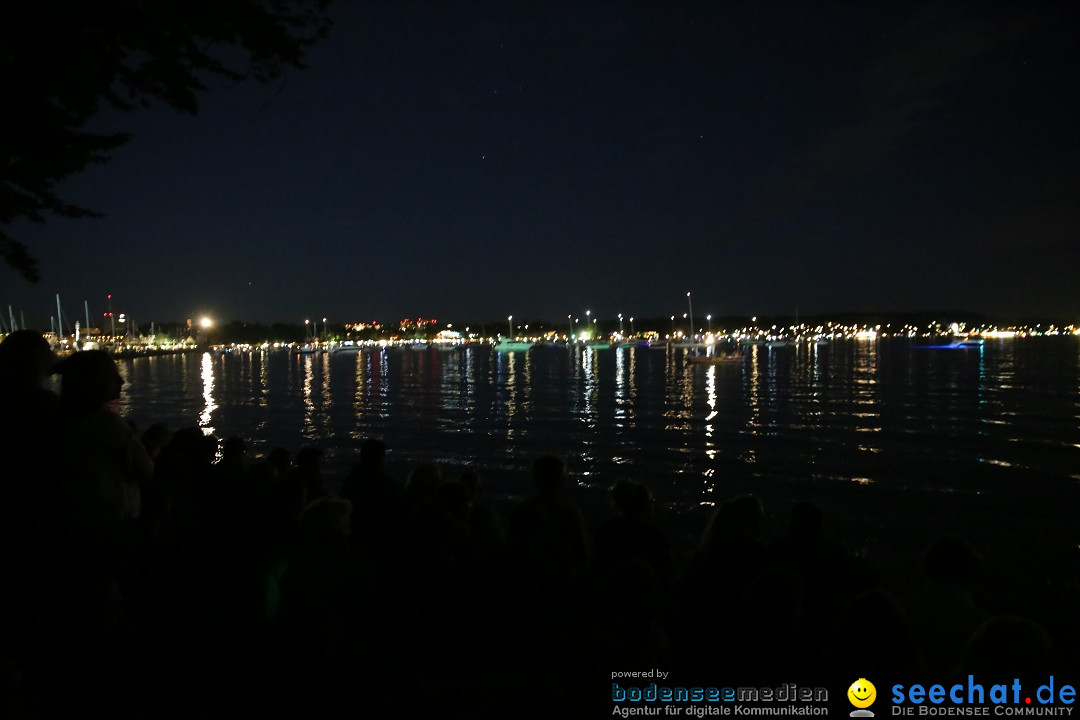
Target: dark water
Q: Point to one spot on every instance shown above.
(887, 414)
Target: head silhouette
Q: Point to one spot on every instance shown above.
(632, 499)
(470, 480)
(951, 559)
(89, 379)
(373, 454)
(234, 448)
(281, 459)
(742, 515)
(549, 474)
(25, 360)
(807, 520)
(309, 459)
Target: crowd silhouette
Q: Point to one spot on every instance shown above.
(150, 575)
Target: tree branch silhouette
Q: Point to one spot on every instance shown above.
(63, 61)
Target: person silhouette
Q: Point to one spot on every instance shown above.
(106, 460)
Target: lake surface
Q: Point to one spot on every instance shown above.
(890, 414)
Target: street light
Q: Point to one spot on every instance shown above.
(510, 322)
(570, 323)
(620, 325)
(709, 318)
(673, 328)
(205, 323)
(631, 326)
(691, 303)
(306, 324)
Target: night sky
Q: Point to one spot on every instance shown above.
(473, 160)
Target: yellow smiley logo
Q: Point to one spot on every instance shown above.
(862, 693)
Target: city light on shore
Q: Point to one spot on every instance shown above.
(657, 332)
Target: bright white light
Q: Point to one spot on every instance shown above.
(209, 405)
(206, 322)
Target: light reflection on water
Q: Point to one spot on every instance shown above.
(620, 388)
(753, 425)
(209, 404)
(853, 414)
(589, 396)
(356, 433)
(511, 392)
(308, 362)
